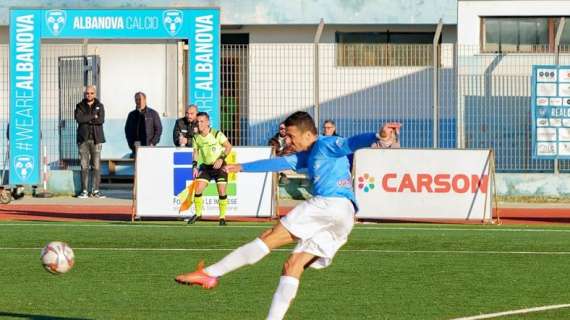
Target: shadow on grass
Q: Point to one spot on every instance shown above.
(35, 316)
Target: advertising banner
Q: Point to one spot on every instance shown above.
(423, 184)
(164, 175)
(550, 109)
(200, 27)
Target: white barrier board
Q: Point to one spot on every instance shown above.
(423, 184)
(163, 174)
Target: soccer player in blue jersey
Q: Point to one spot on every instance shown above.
(320, 225)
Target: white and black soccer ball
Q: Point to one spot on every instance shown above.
(57, 257)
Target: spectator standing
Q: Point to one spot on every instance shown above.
(143, 126)
(186, 127)
(280, 143)
(90, 116)
(388, 136)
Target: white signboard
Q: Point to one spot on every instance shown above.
(555, 122)
(564, 134)
(551, 128)
(163, 175)
(564, 75)
(564, 89)
(542, 122)
(556, 102)
(546, 89)
(546, 134)
(545, 148)
(546, 75)
(564, 148)
(423, 184)
(543, 102)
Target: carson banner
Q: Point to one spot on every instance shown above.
(164, 178)
(200, 27)
(423, 184)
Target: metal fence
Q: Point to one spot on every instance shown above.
(50, 131)
(484, 98)
(494, 105)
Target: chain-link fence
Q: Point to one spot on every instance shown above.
(494, 105)
(483, 99)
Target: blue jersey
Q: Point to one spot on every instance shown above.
(326, 162)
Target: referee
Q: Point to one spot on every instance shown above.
(211, 147)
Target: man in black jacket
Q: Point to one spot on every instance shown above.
(186, 127)
(143, 126)
(90, 116)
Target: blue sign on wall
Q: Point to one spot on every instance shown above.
(199, 26)
(550, 104)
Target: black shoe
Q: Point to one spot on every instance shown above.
(222, 222)
(97, 194)
(193, 219)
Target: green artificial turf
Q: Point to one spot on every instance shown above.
(385, 271)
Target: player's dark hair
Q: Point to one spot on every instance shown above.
(203, 114)
(302, 120)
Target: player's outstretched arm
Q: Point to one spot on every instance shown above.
(345, 146)
(290, 162)
(229, 168)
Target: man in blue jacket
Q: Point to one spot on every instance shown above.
(143, 126)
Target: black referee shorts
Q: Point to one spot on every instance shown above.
(207, 173)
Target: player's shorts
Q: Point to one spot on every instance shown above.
(207, 173)
(322, 225)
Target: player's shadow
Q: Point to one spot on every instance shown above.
(9, 315)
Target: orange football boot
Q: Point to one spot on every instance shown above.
(198, 277)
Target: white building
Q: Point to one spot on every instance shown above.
(375, 63)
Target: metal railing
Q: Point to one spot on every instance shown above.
(484, 98)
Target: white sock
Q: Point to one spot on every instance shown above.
(286, 291)
(247, 254)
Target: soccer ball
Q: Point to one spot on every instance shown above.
(57, 257)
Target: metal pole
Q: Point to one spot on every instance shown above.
(316, 72)
(84, 47)
(459, 105)
(436, 38)
(557, 62)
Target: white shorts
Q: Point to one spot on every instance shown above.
(322, 225)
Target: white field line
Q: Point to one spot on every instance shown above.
(511, 312)
(553, 253)
(265, 226)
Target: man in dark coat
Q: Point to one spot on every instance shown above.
(186, 127)
(143, 126)
(90, 116)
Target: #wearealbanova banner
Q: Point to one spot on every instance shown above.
(200, 27)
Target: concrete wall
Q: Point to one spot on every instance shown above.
(469, 13)
(247, 12)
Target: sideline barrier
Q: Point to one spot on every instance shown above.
(163, 174)
(424, 184)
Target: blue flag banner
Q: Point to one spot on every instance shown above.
(200, 27)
